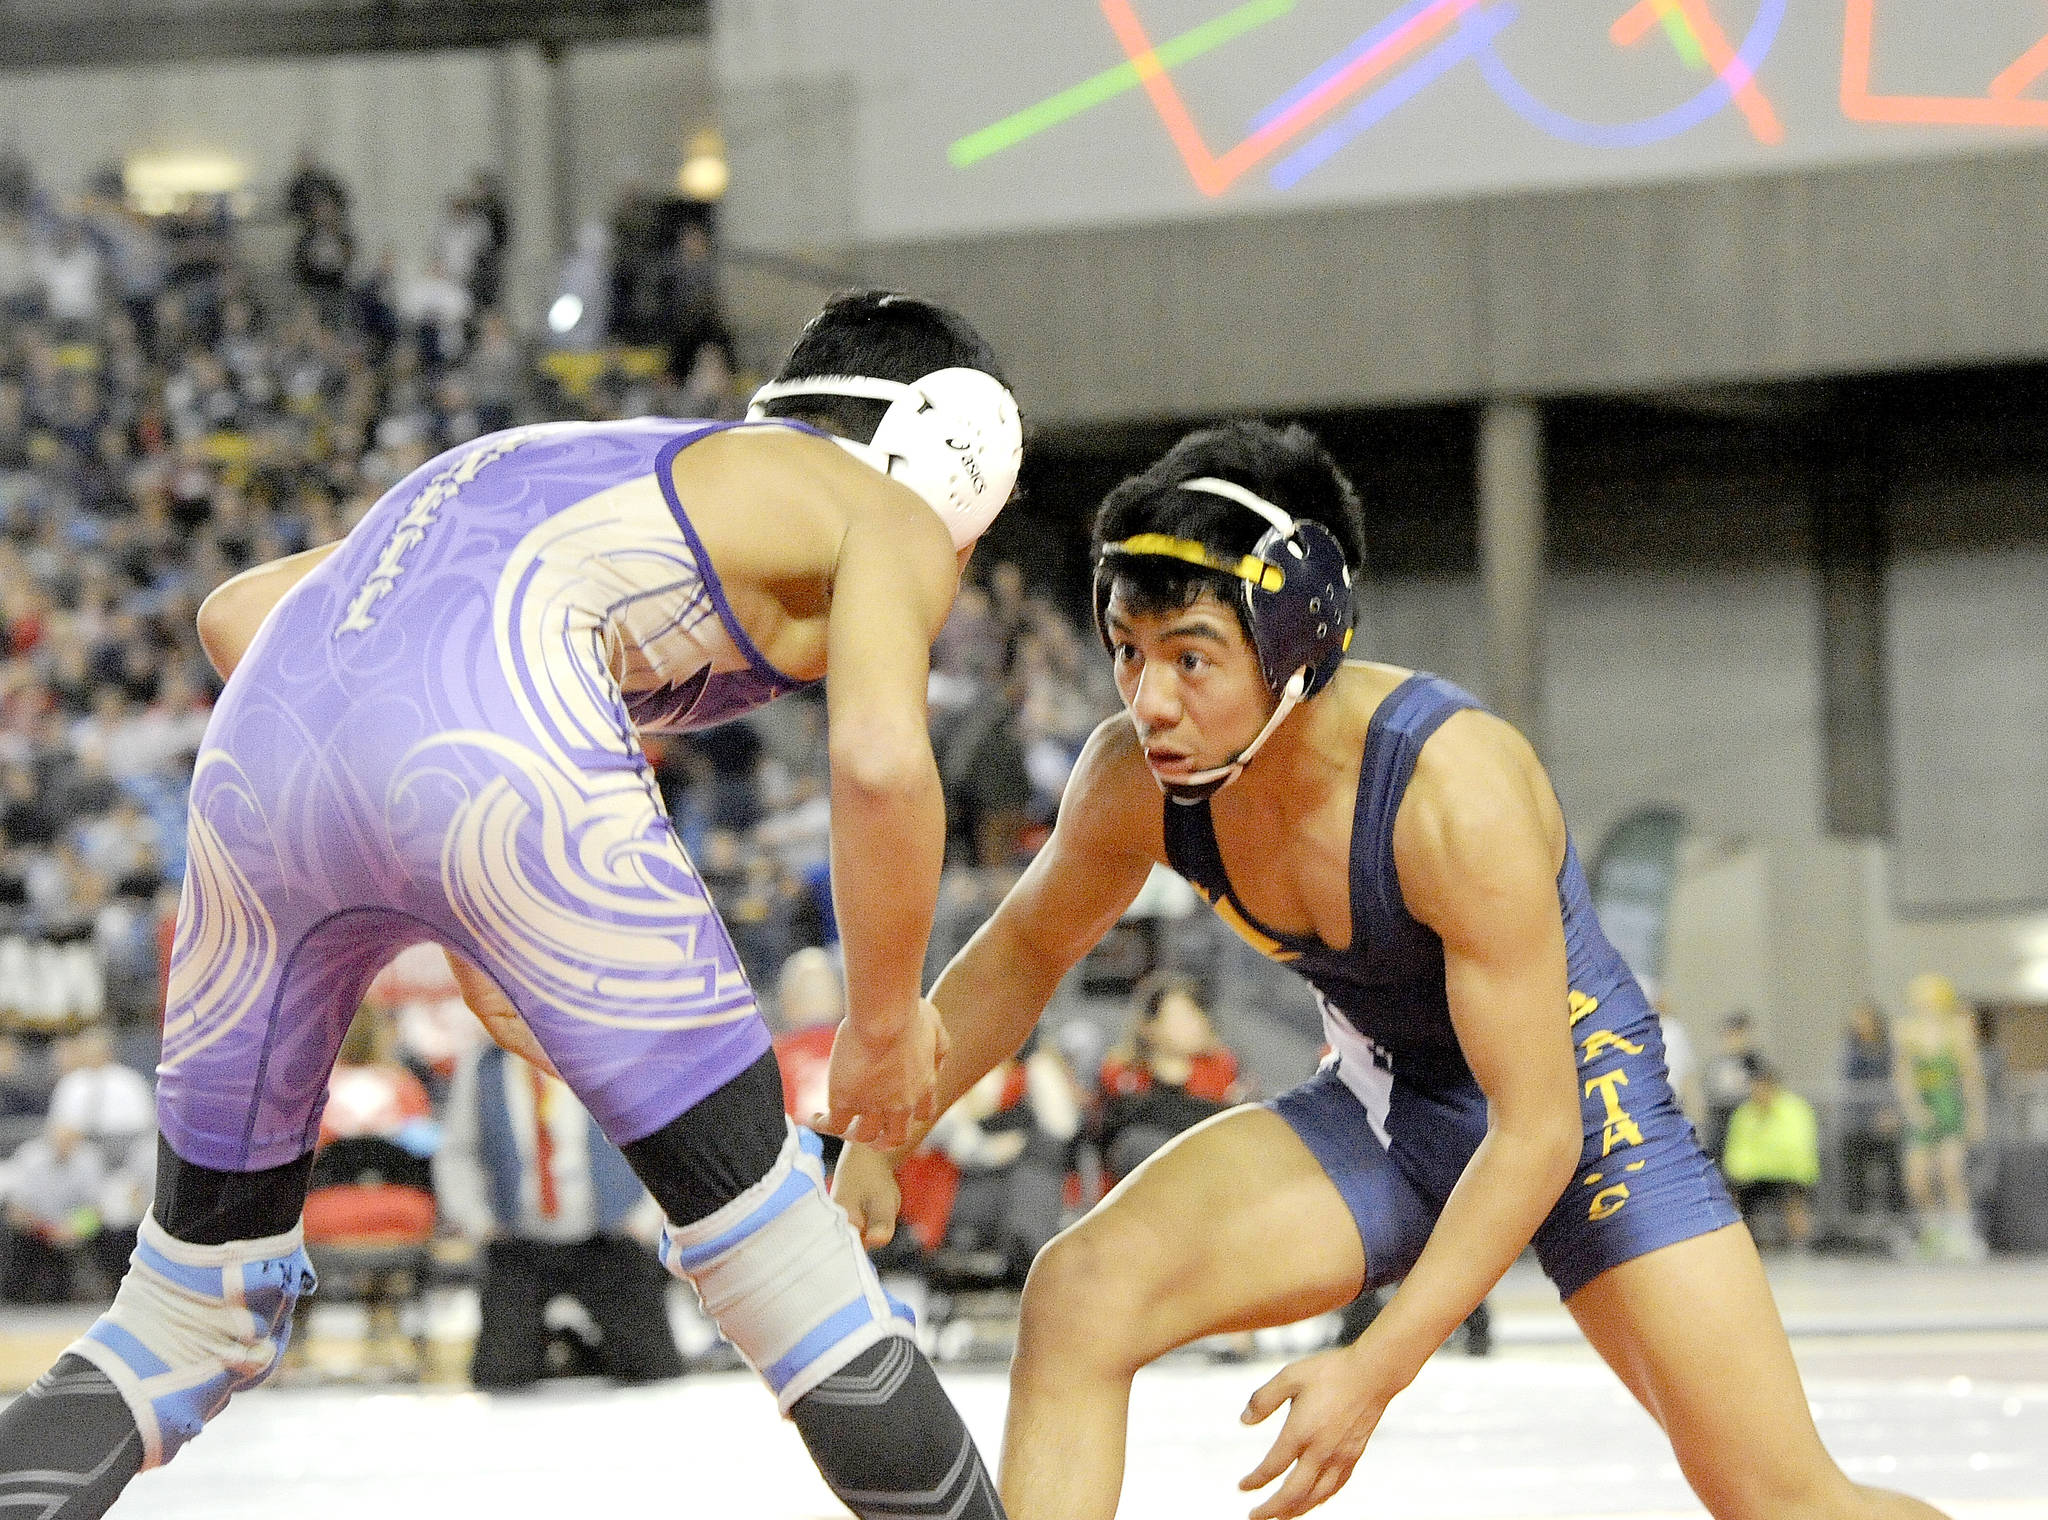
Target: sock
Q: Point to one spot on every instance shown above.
(890, 1443)
(68, 1446)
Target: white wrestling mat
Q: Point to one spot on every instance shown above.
(1536, 1430)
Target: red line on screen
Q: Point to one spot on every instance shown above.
(1213, 175)
(1993, 109)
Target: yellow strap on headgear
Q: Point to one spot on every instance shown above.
(1264, 574)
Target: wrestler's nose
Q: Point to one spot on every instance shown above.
(1155, 702)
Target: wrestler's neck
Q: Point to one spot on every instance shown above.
(1318, 746)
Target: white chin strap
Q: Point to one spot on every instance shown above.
(953, 437)
(1205, 784)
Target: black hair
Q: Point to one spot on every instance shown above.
(1286, 466)
(884, 335)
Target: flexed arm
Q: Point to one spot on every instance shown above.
(994, 991)
(1477, 844)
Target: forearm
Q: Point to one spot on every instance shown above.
(991, 998)
(1509, 1186)
(888, 847)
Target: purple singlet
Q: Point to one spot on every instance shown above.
(428, 740)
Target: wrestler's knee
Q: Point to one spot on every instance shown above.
(1095, 1294)
(1769, 1485)
(193, 1325)
(784, 1275)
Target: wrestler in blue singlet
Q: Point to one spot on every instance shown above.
(1395, 1114)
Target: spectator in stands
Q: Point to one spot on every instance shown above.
(370, 1209)
(1939, 1076)
(585, 281)
(691, 303)
(1772, 1158)
(810, 1000)
(53, 1186)
(1682, 1062)
(323, 256)
(1872, 1180)
(313, 186)
(21, 284)
(1728, 1077)
(1009, 1137)
(24, 1094)
(72, 275)
(1168, 1074)
(112, 1108)
(525, 1172)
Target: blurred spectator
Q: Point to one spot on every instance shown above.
(1728, 1077)
(1682, 1064)
(1009, 1136)
(71, 273)
(981, 766)
(370, 1169)
(436, 307)
(526, 1172)
(370, 1209)
(312, 188)
(24, 1094)
(1872, 1180)
(1168, 1074)
(580, 317)
(323, 256)
(692, 307)
(53, 1186)
(1939, 1076)
(1772, 1158)
(21, 283)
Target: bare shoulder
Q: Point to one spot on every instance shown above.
(1479, 809)
(779, 503)
(1112, 806)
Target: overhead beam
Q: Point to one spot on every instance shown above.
(117, 35)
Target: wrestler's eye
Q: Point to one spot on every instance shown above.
(1192, 661)
(1124, 654)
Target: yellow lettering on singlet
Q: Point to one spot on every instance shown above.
(1580, 1004)
(1265, 944)
(1608, 1201)
(1620, 1129)
(1598, 1043)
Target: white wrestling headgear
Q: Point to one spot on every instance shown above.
(953, 437)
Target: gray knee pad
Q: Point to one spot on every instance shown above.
(783, 1273)
(193, 1325)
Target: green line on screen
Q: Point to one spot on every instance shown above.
(1071, 102)
(1690, 52)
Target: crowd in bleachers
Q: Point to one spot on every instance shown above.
(172, 412)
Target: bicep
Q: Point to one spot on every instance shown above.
(1484, 878)
(890, 594)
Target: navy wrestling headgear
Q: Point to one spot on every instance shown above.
(1295, 586)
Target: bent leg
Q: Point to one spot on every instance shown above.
(782, 1272)
(204, 1312)
(1183, 1248)
(1693, 1331)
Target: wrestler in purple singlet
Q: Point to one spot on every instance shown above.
(434, 737)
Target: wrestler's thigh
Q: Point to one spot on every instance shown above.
(1693, 1331)
(1234, 1225)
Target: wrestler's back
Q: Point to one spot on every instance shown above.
(428, 739)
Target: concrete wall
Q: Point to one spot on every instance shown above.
(1841, 270)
